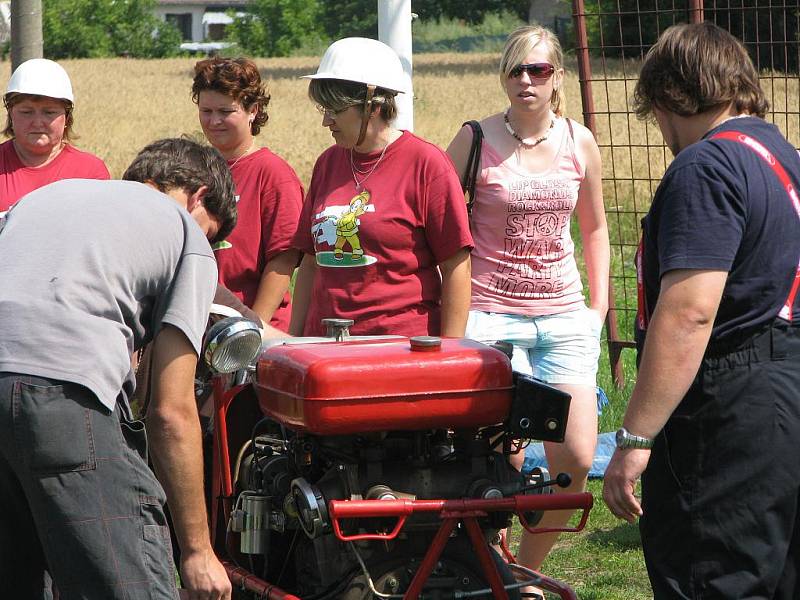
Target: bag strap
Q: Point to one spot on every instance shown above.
(757, 147)
(571, 131)
(473, 163)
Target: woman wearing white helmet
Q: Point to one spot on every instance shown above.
(384, 228)
(39, 104)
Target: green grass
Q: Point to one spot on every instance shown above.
(452, 35)
(602, 562)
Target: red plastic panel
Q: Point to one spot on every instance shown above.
(340, 388)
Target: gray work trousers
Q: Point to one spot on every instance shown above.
(77, 498)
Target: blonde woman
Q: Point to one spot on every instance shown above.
(537, 169)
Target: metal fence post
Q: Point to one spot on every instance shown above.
(615, 346)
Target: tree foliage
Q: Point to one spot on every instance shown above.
(470, 11)
(276, 27)
(98, 28)
(627, 28)
(348, 18)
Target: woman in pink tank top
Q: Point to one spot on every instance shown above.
(536, 168)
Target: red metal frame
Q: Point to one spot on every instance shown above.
(221, 481)
(466, 511)
(247, 581)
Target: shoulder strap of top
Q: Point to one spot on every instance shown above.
(470, 175)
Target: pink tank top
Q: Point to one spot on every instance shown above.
(523, 261)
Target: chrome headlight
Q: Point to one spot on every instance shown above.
(231, 344)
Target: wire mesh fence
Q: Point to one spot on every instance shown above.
(612, 38)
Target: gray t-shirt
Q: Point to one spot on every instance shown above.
(89, 272)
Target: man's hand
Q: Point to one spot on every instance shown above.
(620, 480)
(204, 577)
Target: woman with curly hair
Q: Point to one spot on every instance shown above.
(255, 261)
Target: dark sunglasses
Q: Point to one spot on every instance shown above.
(541, 70)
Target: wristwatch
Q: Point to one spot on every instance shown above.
(625, 439)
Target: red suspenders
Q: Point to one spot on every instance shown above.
(642, 317)
(756, 146)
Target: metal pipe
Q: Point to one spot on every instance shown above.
(430, 559)
(26, 31)
(394, 30)
(248, 581)
(587, 101)
(696, 11)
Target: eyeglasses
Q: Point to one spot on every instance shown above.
(329, 113)
(540, 70)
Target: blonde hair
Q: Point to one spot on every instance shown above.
(520, 43)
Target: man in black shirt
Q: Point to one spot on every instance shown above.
(713, 422)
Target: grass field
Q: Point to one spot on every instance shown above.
(123, 104)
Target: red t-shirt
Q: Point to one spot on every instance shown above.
(377, 251)
(270, 198)
(16, 179)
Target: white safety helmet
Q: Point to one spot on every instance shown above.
(41, 77)
(363, 60)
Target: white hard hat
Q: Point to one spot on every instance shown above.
(363, 60)
(41, 77)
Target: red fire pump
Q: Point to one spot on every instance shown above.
(379, 467)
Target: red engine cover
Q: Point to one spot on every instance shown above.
(340, 388)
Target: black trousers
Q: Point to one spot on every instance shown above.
(77, 498)
(720, 494)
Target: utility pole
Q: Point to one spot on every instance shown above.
(26, 31)
(394, 30)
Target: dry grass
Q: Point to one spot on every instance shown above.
(122, 104)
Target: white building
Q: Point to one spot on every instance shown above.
(199, 21)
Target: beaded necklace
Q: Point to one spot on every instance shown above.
(520, 139)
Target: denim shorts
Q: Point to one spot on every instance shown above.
(560, 348)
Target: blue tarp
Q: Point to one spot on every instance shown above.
(534, 456)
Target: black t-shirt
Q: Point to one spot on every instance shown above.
(720, 206)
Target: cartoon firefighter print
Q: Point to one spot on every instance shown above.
(337, 226)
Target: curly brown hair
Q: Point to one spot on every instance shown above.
(235, 77)
(695, 68)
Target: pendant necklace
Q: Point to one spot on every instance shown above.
(366, 173)
(520, 139)
(246, 152)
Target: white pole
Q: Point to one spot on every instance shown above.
(394, 29)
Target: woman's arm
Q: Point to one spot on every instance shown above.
(303, 284)
(592, 222)
(456, 273)
(274, 283)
